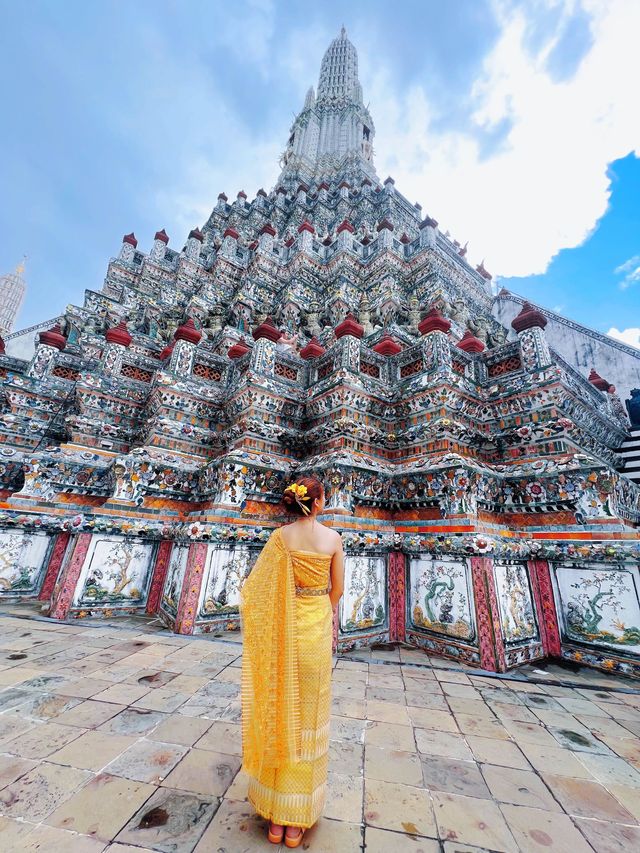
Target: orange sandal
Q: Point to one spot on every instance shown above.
(294, 842)
(276, 838)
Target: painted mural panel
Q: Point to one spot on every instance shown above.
(174, 580)
(23, 559)
(600, 605)
(364, 603)
(225, 572)
(517, 616)
(440, 597)
(116, 571)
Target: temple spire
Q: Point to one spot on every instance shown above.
(333, 135)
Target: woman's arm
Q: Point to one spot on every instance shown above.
(337, 575)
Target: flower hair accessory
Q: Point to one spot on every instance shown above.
(299, 492)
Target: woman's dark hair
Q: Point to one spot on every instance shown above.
(294, 502)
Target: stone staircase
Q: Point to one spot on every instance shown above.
(630, 452)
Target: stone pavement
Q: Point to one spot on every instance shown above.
(123, 737)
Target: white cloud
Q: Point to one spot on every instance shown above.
(546, 187)
(627, 336)
(631, 271)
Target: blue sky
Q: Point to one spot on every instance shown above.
(513, 123)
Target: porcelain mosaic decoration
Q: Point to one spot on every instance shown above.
(325, 326)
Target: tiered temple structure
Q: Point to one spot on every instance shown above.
(327, 326)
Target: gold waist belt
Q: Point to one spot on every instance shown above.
(312, 590)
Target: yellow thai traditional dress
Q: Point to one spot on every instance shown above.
(286, 682)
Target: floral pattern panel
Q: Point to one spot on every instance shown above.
(600, 605)
(23, 558)
(440, 597)
(116, 571)
(174, 580)
(225, 572)
(364, 603)
(517, 617)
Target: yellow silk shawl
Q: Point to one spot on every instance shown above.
(270, 683)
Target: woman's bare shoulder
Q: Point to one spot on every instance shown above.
(332, 536)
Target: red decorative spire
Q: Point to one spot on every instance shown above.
(597, 381)
(222, 197)
(303, 188)
(405, 238)
(365, 182)
(385, 224)
(163, 236)
(313, 349)
(327, 240)
(237, 350)
(53, 337)
(188, 332)
(268, 228)
(261, 192)
(428, 222)
(483, 272)
(119, 334)
(344, 184)
(345, 225)
(324, 186)
(349, 326)
(470, 343)
(3, 349)
(529, 318)
(130, 239)
(197, 234)
(289, 242)
(434, 322)
(166, 352)
(387, 346)
(231, 232)
(306, 226)
(267, 330)
(242, 194)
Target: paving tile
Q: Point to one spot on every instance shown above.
(122, 694)
(13, 832)
(454, 777)
(176, 728)
(535, 830)
(470, 706)
(589, 799)
(529, 733)
(204, 772)
(435, 701)
(461, 691)
(236, 828)
(627, 748)
(133, 721)
(83, 688)
(382, 841)
(147, 761)
(330, 836)
(12, 768)
(578, 739)
(89, 714)
(387, 712)
(471, 821)
(606, 837)
(343, 707)
(604, 726)
(445, 744)
(389, 805)
(37, 793)
(393, 765)
(48, 839)
(610, 770)
(344, 797)
(170, 821)
(522, 713)
(629, 798)
(390, 736)
(13, 723)
(163, 699)
(239, 788)
(520, 787)
(470, 725)
(427, 718)
(347, 757)
(93, 750)
(495, 751)
(546, 759)
(223, 737)
(102, 807)
(42, 740)
(582, 706)
(345, 728)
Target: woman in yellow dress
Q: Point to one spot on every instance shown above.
(287, 606)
